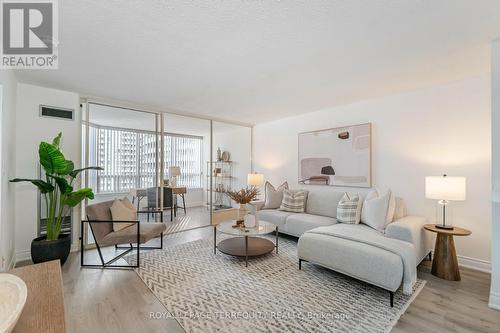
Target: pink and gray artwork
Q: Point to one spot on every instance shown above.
(337, 157)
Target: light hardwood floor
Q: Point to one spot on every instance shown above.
(118, 301)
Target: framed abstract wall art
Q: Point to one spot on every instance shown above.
(336, 156)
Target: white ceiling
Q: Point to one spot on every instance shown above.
(254, 61)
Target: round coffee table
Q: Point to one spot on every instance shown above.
(246, 242)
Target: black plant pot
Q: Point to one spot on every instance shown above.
(43, 250)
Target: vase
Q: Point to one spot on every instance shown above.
(43, 250)
(242, 212)
(249, 221)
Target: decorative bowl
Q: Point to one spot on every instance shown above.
(13, 293)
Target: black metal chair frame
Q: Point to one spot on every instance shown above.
(128, 249)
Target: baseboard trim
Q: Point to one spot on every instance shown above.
(192, 204)
(12, 262)
(75, 247)
(23, 255)
(475, 264)
(494, 300)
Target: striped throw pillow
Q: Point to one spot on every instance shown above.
(349, 209)
(294, 201)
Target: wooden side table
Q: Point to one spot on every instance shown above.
(44, 309)
(445, 263)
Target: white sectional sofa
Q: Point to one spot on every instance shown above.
(387, 259)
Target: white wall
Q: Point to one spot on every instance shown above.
(495, 160)
(237, 140)
(444, 129)
(30, 130)
(8, 164)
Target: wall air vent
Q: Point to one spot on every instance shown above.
(56, 112)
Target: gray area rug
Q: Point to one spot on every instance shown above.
(217, 293)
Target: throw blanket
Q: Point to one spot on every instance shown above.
(367, 235)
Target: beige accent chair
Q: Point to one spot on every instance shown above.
(101, 225)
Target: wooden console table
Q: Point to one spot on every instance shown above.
(445, 263)
(44, 308)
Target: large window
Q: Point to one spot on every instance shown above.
(185, 152)
(129, 158)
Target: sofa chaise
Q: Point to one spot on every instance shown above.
(387, 260)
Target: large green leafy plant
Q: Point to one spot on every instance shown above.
(57, 187)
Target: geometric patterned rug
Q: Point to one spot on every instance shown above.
(217, 293)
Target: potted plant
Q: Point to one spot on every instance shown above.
(57, 188)
(243, 196)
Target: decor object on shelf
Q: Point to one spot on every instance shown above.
(445, 189)
(57, 189)
(328, 157)
(445, 262)
(218, 185)
(242, 197)
(219, 154)
(226, 156)
(174, 172)
(13, 293)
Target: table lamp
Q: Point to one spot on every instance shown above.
(445, 189)
(255, 179)
(173, 172)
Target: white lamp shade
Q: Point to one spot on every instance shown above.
(174, 171)
(255, 179)
(445, 188)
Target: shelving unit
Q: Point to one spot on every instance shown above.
(222, 183)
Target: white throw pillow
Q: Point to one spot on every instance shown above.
(391, 209)
(349, 209)
(400, 210)
(372, 194)
(120, 212)
(375, 211)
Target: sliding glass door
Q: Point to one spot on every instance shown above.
(175, 169)
(186, 148)
(125, 143)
